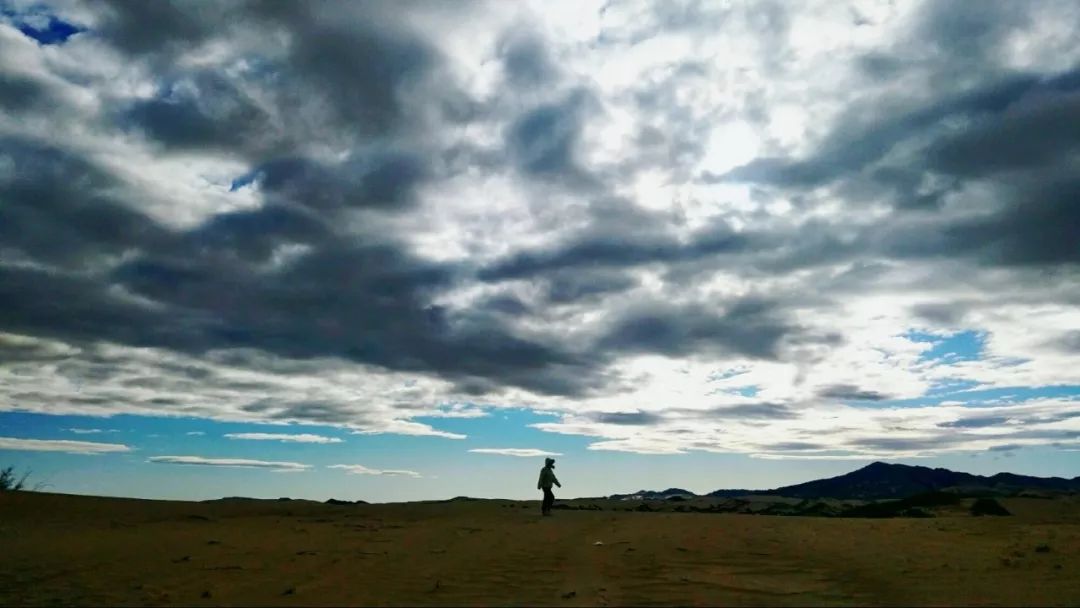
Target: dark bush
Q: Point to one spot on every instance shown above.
(988, 506)
(10, 482)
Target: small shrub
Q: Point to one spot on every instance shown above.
(988, 506)
(10, 482)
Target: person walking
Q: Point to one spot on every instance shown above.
(547, 477)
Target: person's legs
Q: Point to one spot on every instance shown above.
(549, 499)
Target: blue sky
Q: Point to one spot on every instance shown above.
(394, 252)
(445, 466)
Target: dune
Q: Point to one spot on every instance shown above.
(66, 549)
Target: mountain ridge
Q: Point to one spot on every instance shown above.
(881, 480)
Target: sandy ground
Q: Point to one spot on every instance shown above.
(59, 549)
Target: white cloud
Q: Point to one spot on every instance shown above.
(359, 469)
(229, 462)
(408, 427)
(91, 431)
(195, 433)
(298, 438)
(520, 452)
(61, 445)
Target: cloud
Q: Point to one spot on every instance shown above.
(229, 462)
(519, 452)
(376, 217)
(850, 392)
(544, 140)
(195, 433)
(91, 431)
(358, 469)
(628, 418)
(61, 445)
(404, 427)
(750, 327)
(296, 438)
(526, 59)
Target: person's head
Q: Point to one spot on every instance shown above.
(549, 462)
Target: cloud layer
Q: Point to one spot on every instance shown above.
(284, 437)
(242, 463)
(61, 445)
(519, 452)
(359, 469)
(742, 228)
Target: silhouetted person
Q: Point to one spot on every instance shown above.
(547, 477)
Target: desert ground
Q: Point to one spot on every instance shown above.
(62, 550)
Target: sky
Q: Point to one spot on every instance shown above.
(405, 250)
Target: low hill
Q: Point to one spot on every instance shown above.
(882, 480)
(654, 495)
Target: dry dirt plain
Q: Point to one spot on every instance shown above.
(62, 550)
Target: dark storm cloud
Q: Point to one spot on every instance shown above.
(613, 249)
(255, 234)
(364, 302)
(949, 43)
(357, 68)
(749, 327)
(60, 208)
(544, 141)
(963, 39)
(19, 93)
(31, 352)
(851, 392)
(626, 418)
(851, 147)
(1068, 342)
(71, 308)
(764, 410)
(797, 446)
(1034, 223)
(1018, 136)
(1038, 227)
(935, 442)
(317, 268)
(366, 67)
(945, 314)
(952, 437)
(574, 285)
(175, 25)
(325, 412)
(206, 112)
(976, 422)
(1036, 131)
(526, 59)
(384, 180)
(505, 304)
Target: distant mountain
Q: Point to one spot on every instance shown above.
(654, 495)
(881, 480)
